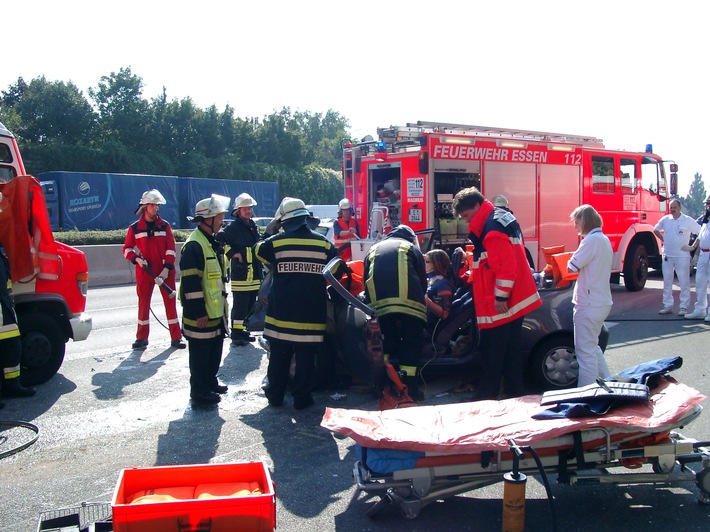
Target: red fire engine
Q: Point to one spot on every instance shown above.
(411, 174)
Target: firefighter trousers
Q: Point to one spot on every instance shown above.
(205, 357)
(242, 303)
(144, 289)
(402, 343)
(304, 377)
(501, 359)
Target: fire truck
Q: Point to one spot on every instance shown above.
(411, 174)
(50, 279)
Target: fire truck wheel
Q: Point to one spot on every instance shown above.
(42, 348)
(553, 364)
(636, 268)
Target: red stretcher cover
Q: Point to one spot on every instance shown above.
(489, 425)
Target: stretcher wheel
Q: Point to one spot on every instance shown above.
(703, 480)
(379, 506)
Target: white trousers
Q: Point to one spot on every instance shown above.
(681, 267)
(702, 277)
(588, 322)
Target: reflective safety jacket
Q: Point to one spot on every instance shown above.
(340, 226)
(8, 317)
(156, 244)
(500, 267)
(202, 286)
(395, 278)
(297, 301)
(239, 237)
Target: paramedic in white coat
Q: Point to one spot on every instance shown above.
(702, 270)
(592, 293)
(674, 230)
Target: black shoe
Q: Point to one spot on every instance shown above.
(210, 398)
(140, 343)
(239, 342)
(177, 344)
(220, 388)
(13, 388)
(302, 403)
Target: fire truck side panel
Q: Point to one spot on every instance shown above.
(559, 195)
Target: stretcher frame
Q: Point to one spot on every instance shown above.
(597, 452)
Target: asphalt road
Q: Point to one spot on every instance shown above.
(110, 408)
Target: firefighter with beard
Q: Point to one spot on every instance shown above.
(296, 314)
(10, 343)
(204, 299)
(246, 272)
(150, 243)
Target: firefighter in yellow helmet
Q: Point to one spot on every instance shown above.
(239, 238)
(203, 296)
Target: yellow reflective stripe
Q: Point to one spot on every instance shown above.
(295, 325)
(290, 337)
(12, 373)
(301, 242)
(409, 371)
(191, 271)
(193, 323)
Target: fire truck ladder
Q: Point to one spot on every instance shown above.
(462, 129)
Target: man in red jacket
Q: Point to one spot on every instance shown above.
(150, 245)
(503, 290)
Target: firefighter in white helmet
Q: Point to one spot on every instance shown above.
(239, 238)
(203, 296)
(296, 313)
(150, 245)
(345, 228)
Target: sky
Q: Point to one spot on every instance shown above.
(631, 72)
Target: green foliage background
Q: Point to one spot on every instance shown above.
(116, 130)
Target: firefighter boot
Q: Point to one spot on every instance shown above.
(13, 388)
(413, 390)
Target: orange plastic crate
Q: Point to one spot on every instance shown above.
(251, 512)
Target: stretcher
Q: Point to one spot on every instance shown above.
(415, 456)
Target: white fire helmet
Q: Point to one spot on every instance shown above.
(210, 207)
(243, 200)
(290, 208)
(344, 204)
(500, 201)
(152, 196)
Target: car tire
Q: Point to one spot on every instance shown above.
(553, 364)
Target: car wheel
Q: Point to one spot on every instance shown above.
(553, 364)
(42, 349)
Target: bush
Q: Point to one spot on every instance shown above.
(97, 238)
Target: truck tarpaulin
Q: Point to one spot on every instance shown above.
(86, 200)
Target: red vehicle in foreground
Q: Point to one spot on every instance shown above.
(50, 279)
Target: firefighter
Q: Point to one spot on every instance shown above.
(504, 290)
(203, 297)
(150, 245)
(296, 313)
(10, 344)
(239, 238)
(395, 284)
(345, 228)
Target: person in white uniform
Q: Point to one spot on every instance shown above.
(592, 293)
(702, 269)
(674, 231)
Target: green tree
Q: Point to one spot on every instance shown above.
(694, 202)
(123, 112)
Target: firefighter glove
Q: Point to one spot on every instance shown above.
(159, 280)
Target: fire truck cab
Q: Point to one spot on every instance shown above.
(411, 174)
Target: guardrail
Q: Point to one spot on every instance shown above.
(107, 267)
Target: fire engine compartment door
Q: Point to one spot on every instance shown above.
(385, 189)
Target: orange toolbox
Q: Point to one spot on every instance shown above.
(200, 497)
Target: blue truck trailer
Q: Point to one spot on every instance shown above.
(87, 200)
